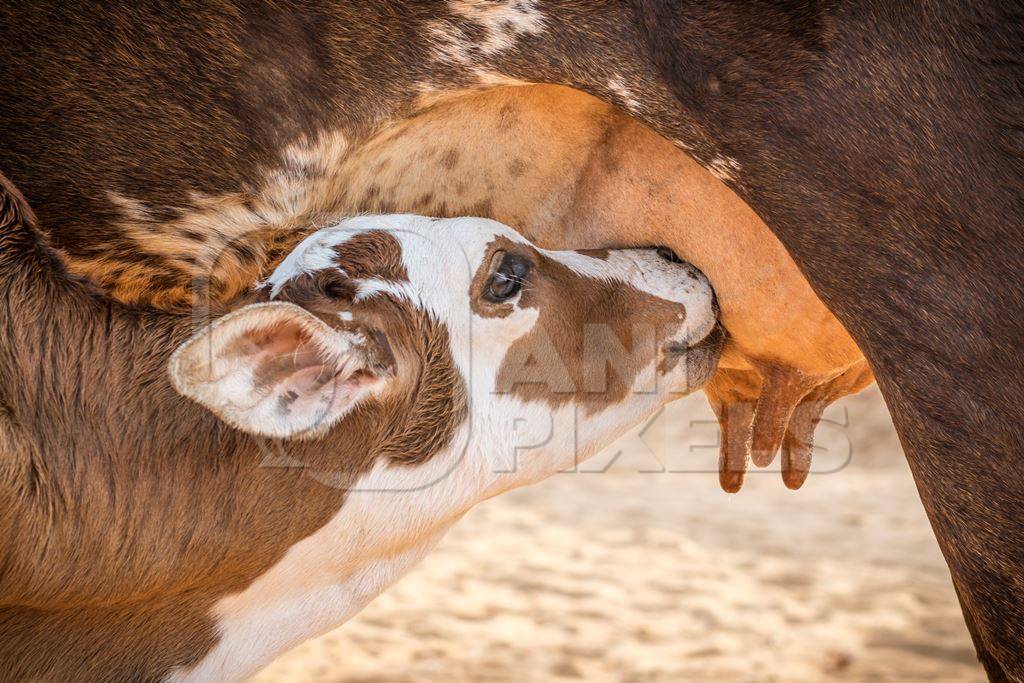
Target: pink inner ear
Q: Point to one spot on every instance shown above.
(315, 389)
(279, 351)
(276, 338)
(288, 363)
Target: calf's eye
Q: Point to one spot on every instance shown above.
(507, 279)
(503, 287)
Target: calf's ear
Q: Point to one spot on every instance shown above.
(274, 369)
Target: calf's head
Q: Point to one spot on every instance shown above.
(439, 334)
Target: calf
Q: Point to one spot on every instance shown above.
(395, 371)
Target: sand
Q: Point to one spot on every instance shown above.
(638, 569)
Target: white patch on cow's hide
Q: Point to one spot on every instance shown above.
(618, 88)
(502, 22)
(723, 168)
(428, 89)
(299, 186)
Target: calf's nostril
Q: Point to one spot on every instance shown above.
(668, 255)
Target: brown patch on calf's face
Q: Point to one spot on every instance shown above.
(372, 254)
(427, 423)
(592, 340)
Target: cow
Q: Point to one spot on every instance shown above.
(879, 142)
(182, 507)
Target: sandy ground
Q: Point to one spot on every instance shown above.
(639, 569)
